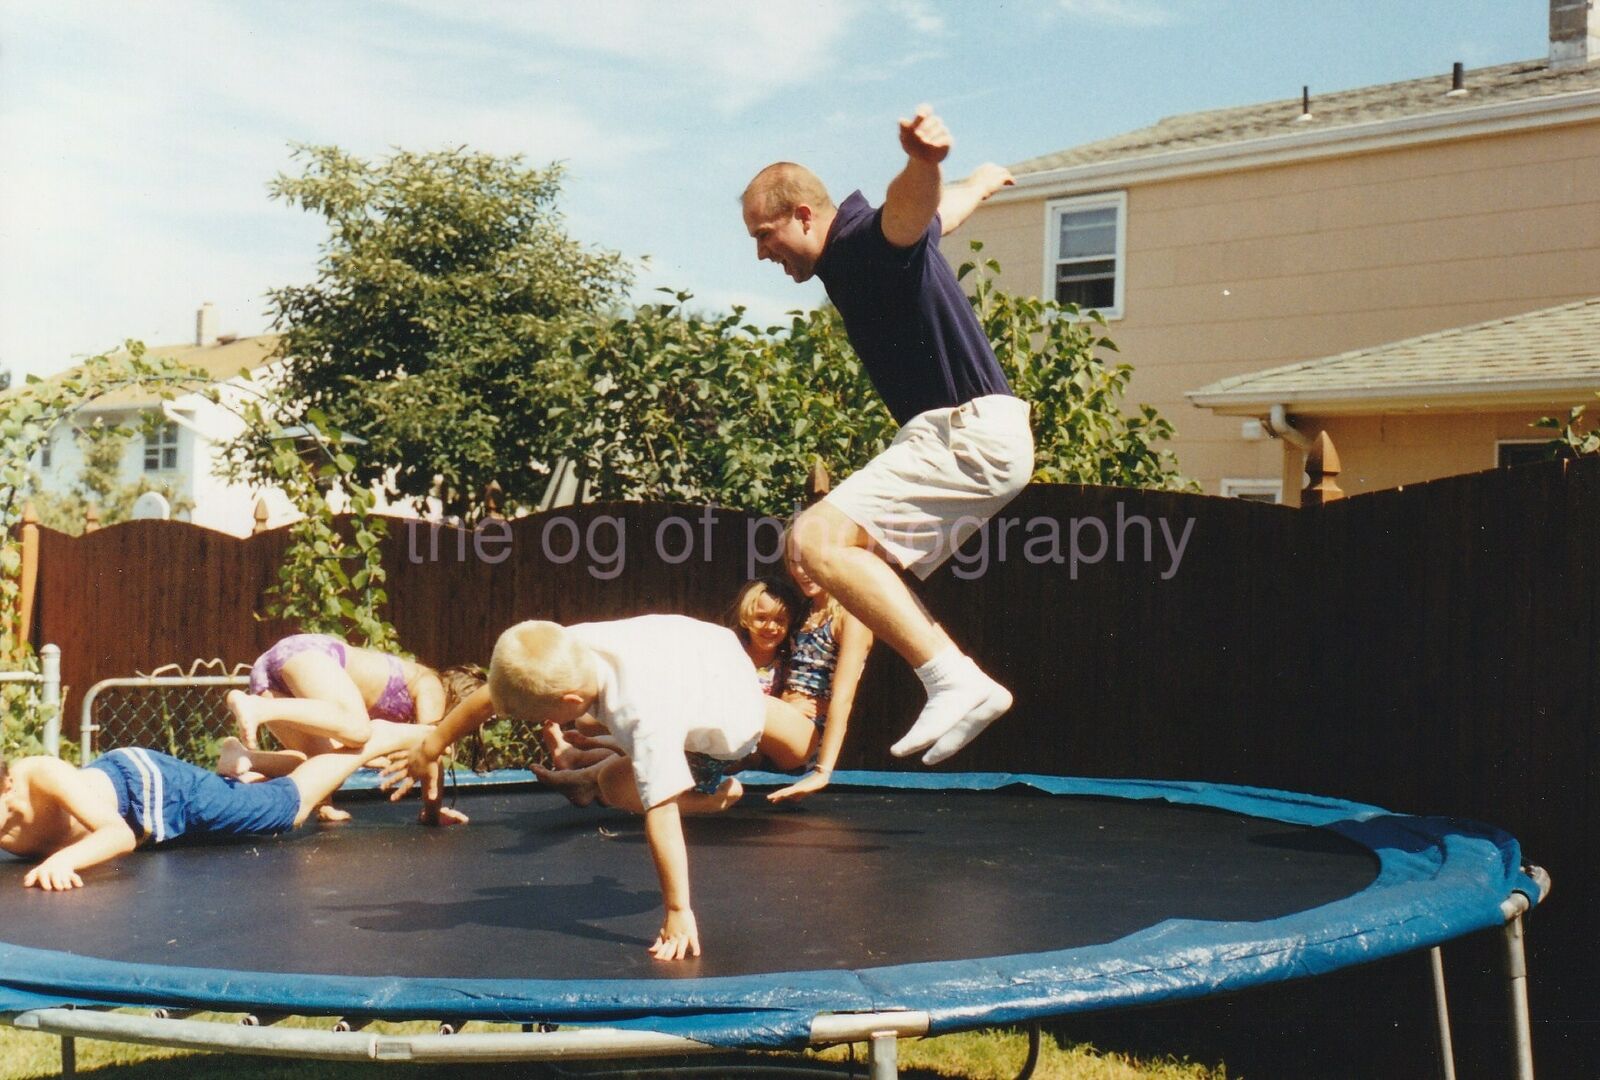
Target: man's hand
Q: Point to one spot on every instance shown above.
(811, 782)
(56, 873)
(990, 178)
(679, 937)
(401, 775)
(924, 137)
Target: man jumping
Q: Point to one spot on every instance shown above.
(964, 448)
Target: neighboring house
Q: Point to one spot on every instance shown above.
(177, 443)
(1247, 241)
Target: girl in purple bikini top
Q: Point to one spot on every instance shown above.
(393, 703)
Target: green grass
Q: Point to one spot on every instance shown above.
(979, 1055)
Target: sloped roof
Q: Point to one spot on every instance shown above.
(220, 362)
(1536, 358)
(1415, 97)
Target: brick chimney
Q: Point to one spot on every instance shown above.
(1574, 33)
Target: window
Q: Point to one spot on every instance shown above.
(161, 447)
(1084, 245)
(1519, 452)
(46, 453)
(1267, 491)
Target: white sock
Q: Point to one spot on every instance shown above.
(969, 726)
(955, 687)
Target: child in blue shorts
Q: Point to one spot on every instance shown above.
(73, 818)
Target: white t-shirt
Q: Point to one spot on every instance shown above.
(669, 683)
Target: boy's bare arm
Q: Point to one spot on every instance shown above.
(55, 783)
(663, 828)
(470, 714)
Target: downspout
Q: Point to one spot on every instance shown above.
(1279, 427)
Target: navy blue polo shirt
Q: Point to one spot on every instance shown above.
(905, 313)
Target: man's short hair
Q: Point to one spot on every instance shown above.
(782, 186)
(534, 664)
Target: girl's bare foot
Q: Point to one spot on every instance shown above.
(331, 814)
(243, 708)
(578, 786)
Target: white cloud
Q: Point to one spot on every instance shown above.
(1119, 12)
(741, 52)
(919, 15)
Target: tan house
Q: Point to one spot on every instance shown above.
(1326, 246)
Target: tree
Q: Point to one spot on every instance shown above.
(439, 316)
(670, 405)
(1570, 441)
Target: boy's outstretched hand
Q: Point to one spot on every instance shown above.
(924, 137)
(679, 937)
(400, 775)
(56, 874)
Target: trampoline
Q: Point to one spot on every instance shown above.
(891, 904)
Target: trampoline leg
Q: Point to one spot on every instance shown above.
(1447, 1054)
(1517, 976)
(69, 1056)
(1032, 1061)
(884, 1055)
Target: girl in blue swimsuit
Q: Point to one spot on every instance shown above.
(824, 668)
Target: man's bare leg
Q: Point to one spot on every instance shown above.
(962, 700)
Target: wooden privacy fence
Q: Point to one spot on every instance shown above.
(1433, 649)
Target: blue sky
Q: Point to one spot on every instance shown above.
(137, 140)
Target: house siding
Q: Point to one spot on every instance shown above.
(1319, 257)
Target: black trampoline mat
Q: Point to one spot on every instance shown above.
(535, 888)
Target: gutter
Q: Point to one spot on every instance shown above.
(1574, 107)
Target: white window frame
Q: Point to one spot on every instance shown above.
(160, 447)
(1054, 208)
(1498, 443)
(1234, 487)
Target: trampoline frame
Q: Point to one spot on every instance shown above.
(880, 1030)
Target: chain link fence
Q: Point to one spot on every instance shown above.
(185, 714)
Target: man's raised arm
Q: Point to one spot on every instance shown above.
(959, 200)
(914, 195)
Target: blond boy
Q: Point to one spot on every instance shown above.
(668, 688)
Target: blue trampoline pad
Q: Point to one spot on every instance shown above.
(979, 898)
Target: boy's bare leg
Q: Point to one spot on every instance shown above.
(238, 760)
(319, 777)
(699, 802)
(611, 781)
(580, 786)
